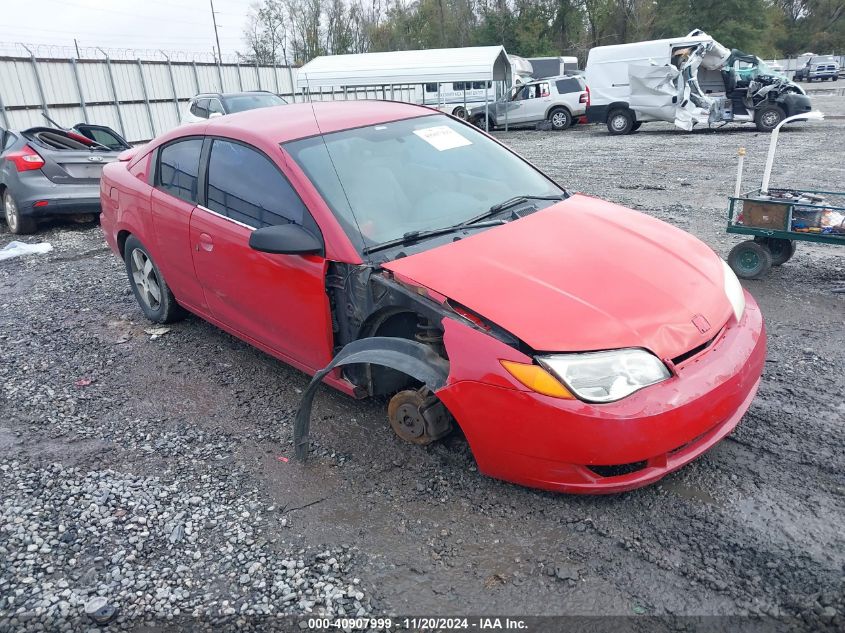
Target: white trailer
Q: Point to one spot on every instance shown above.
(453, 80)
(543, 67)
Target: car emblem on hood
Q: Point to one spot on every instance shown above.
(95, 159)
(701, 323)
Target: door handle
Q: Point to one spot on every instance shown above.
(205, 242)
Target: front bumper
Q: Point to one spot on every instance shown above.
(534, 440)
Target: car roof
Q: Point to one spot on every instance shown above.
(206, 95)
(301, 120)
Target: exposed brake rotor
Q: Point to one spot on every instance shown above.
(418, 416)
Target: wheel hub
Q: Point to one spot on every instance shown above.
(749, 259)
(619, 123)
(418, 417)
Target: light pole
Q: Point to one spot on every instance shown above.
(216, 36)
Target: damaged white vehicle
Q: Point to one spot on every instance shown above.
(688, 81)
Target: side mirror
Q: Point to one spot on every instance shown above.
(214, 115)
(285, 239)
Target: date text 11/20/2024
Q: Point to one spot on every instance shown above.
(418, 624)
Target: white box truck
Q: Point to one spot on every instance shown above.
(687, 81)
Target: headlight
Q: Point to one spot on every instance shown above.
(734, 291)
(606, 376)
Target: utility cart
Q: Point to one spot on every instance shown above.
(778, 218)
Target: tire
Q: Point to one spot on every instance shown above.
(479, 122)
(620, 122)
(560, 118)
(780, 250)
(768, 117)
(17, 223)
(637, 126)
(750, 260)
(142, 272)
(460, 112)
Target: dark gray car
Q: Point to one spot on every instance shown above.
(45, 172)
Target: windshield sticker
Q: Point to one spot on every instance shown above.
(442, 137)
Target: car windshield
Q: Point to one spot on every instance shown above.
(388, 180)
(239, 103)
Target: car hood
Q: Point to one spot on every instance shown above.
(583, 274)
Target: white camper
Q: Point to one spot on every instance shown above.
(688, 81)
(454, 80)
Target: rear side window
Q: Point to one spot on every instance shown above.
(9, 140)
(200, 108)
(565, 86)
(243, 184)
(178, 169)
(104, 137)
(215, 106)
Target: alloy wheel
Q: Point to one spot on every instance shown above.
(11, 212)
(144, 276)
(558, 119)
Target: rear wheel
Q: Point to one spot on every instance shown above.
(750, 260)
(620, 122)
(560, 119)
(460, 112)
(151, 290)
(781, 250)
(18, 224)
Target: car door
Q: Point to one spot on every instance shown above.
(277, 301)
(172, 201)
(513, 108)
(539, 99)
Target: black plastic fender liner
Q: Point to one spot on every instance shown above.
(414, 359)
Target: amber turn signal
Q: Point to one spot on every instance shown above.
(536, 379)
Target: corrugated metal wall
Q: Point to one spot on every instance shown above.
(139, 99)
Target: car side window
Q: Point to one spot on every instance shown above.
(104, 137)
(565, 86)
(214, 105)
(9, 140)
(243, 184)
(178, 169)
(200, 108)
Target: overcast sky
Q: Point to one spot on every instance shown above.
(143, 24)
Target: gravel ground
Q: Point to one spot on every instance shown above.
(153, 470)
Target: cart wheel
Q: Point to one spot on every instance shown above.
(750, 260)
(781, 250)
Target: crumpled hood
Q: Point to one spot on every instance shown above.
(584, 274)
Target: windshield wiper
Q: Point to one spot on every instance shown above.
(415, 236)
(507, 204)
(479, 221)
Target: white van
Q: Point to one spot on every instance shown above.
(688, 81)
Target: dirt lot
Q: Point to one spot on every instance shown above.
(153, 471)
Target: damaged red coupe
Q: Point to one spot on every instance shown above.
(388, 249)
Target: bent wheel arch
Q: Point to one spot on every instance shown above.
(409, 357)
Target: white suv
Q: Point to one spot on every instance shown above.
(558, 100)
(207, 105)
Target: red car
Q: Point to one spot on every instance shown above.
(389, 249)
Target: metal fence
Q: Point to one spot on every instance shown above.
(138, 98)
